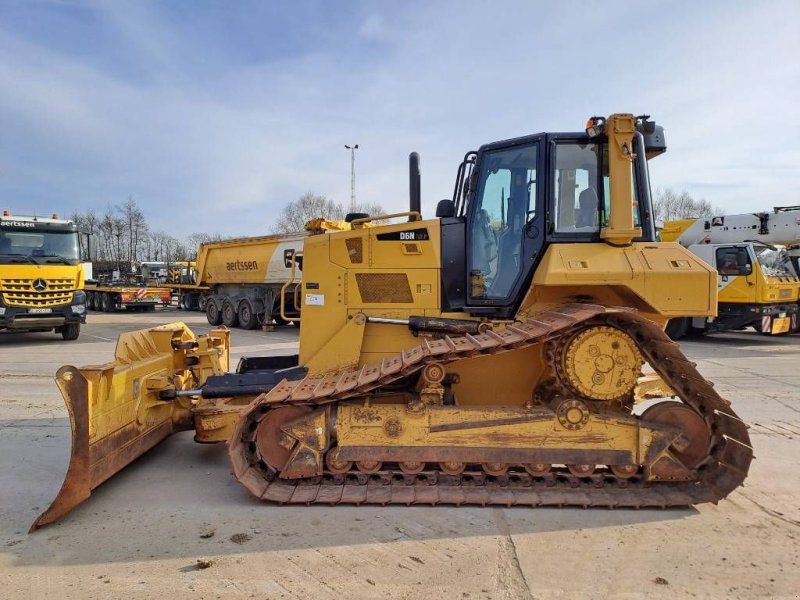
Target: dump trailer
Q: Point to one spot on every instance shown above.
(239, 281)
(758, 284)
(488, 356)
(244, 277)
(41, 275)
(113, 296)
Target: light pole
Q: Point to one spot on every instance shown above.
(352, 149)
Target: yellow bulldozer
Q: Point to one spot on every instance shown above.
(489, 356)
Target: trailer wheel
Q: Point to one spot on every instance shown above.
(107, 303)
(70, 331)
(248, 319)
(229, 316)
(213, 314)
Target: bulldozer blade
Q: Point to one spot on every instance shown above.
(119, 411)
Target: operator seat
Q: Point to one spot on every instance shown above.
(588, 208)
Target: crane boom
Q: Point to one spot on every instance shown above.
(782, 227)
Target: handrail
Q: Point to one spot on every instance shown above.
(290, 281)
(411, 213)
(297, 289)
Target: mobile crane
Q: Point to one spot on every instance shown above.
(758, 282)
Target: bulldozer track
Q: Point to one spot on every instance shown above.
(720, 472)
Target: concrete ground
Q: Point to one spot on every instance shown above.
(141, 534)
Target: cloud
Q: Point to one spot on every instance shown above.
(213, 118)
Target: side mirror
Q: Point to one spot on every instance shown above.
(445, 208)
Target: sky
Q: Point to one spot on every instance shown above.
(213, 115)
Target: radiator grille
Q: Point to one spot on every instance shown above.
(20, 292)
(384, 288)
(355, 249)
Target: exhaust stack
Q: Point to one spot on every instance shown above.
(414, 184)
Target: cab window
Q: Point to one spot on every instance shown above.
(582, 189)
(733, 261)
(578, 187)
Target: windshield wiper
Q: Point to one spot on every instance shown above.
(61, 259)
(21, 258)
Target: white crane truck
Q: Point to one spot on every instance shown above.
(756, 257)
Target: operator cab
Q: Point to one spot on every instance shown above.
(514, 197)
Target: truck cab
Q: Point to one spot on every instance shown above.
(41, 275)
(755, 287)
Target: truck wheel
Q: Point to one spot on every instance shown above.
(70, 331)
(213, 314)
(248, 319)
(229, 316)
(188, 302)
(107, 303)
(677, 328)
(89, 301)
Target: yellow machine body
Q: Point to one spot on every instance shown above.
(402, 393)
(116, 410)
(351, 273)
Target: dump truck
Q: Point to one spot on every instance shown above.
(488, 356)
(758, 284)
(41, 275)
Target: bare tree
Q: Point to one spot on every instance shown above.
(309, 206)
(123, 237)
(312, 206)
(135, 226)
(668, 206)
(194, 240)
(371, 208)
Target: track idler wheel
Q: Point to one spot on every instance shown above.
(270, 439)
(452, 467)
(537, 469)
(369, 467)
(581, 470)
(695, 436)
(412, 467)
(335, 464)
(624, 471)
(495, 469)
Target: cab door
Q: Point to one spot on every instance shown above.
(505, 232)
